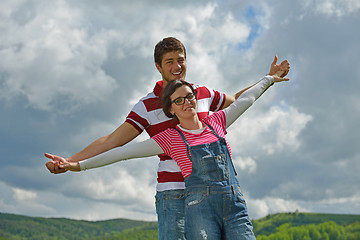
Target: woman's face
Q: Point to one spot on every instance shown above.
(188, 108)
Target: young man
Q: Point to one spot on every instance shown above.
(147, 114)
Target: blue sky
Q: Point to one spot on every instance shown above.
(70, 71)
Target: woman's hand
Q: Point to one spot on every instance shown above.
(278, 77)
(283, 67)
(71, 166)
(53, 164)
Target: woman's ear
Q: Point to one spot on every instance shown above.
(171, 110)
(172, 113)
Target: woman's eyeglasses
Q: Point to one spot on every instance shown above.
(181, 100)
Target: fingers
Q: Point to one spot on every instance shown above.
(54, 157)
(280, 79)
(60, 170)
(285, 65)
(283, 79)
(50, 166)
(284, 73)
(48, 155)
(53, 166)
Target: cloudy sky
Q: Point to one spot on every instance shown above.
(70, 71)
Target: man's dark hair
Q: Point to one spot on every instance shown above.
(169, 44)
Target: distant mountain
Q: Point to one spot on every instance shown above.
(276, 226)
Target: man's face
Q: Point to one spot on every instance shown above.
(173, 66)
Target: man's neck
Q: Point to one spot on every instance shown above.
(165, 82)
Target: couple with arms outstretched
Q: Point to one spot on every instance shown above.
(191, 145)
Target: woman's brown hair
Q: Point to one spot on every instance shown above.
(169, 89)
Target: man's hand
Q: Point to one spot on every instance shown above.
(54, 164)
(283, 67)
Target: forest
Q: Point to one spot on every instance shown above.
(282, 226)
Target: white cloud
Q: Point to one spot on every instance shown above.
(128, 185)
(24, 195)
(245, 164)
(63, 55)
(261, 207)
(56, 58)
(120, 186)
(90, 133)
(57, 204)
(221, 38)
(22, 201)
(52, 57)
(287, 125)
(195, 26)
(337, 8)
(273, 131)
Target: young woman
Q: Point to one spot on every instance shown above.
(215, 207)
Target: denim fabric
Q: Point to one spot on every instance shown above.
(214, 205)
(170, 210)
(216, 212)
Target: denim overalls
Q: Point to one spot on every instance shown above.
(214, 205)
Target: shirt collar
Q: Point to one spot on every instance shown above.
(158, 88)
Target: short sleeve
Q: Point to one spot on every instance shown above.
(137, 117)
(164, 140)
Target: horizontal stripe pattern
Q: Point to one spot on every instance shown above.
(147, 115)
(173, 145)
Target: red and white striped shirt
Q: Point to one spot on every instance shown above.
(173, 145)
(147, 114)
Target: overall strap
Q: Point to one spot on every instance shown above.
(223, 139)
(216, 134)
(186, 143)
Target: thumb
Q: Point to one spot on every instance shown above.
(275, 60)
(48, 155)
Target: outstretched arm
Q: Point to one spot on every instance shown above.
(281, 69)
(146, 148)
(122, 135)
(235, 110)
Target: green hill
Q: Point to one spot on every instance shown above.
(280, 226)
(22, 227)
(311, 226)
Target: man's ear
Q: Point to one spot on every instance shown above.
(158, 67)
